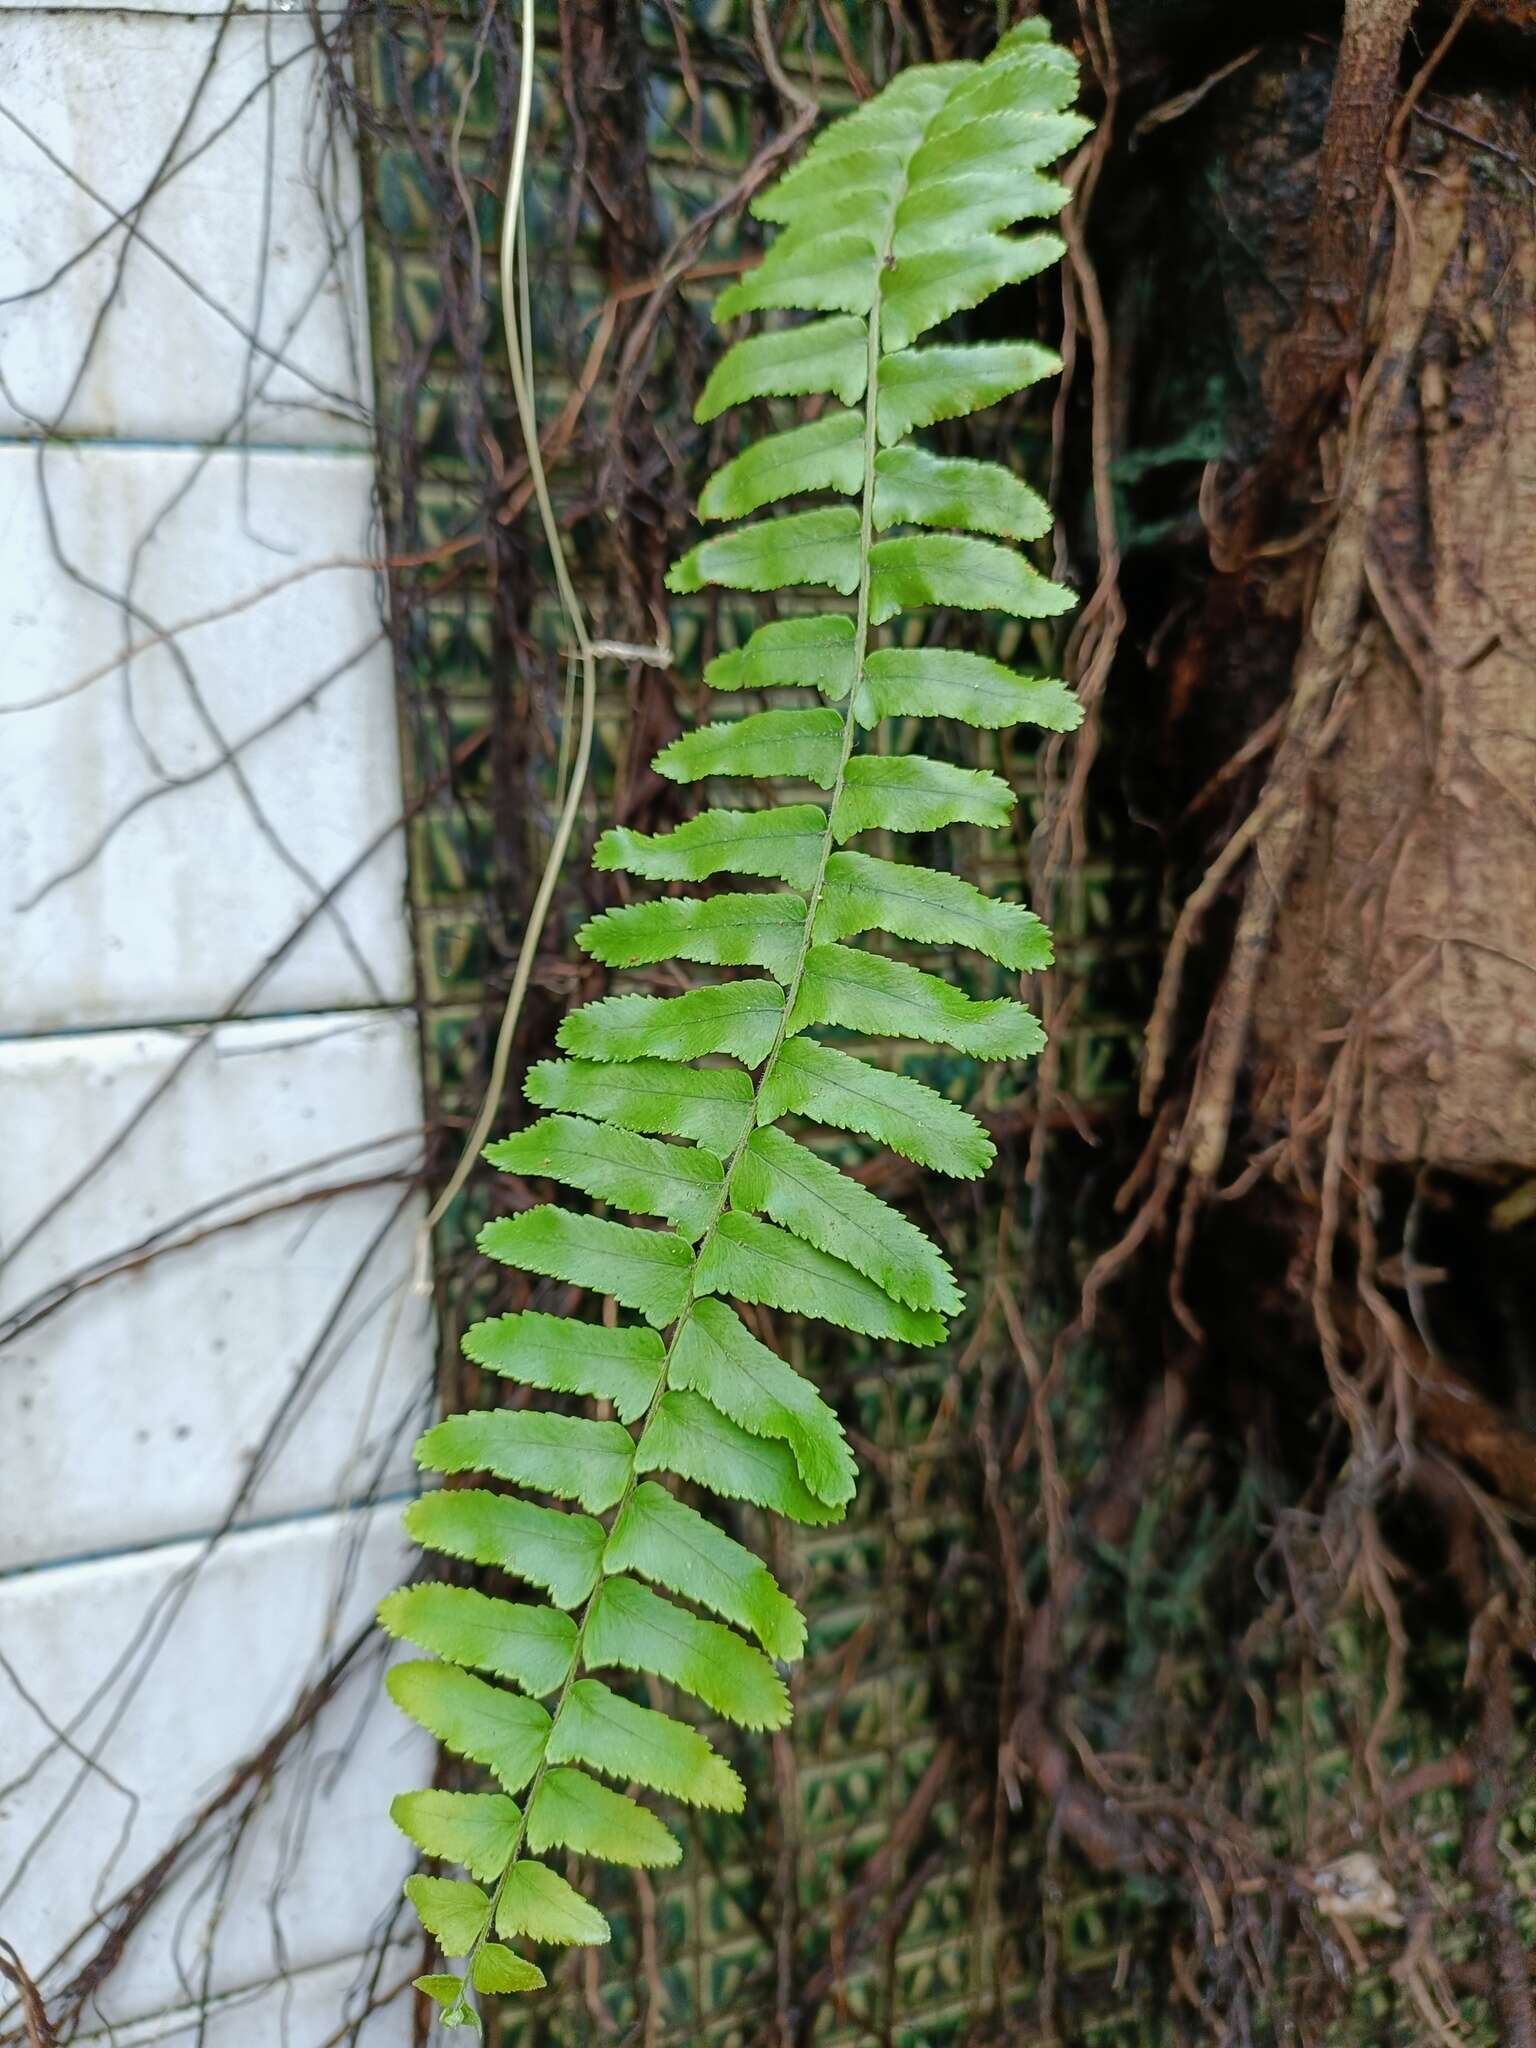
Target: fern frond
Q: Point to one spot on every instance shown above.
(909, 793)
(924, 289)
(758, 1262)
(863, 894)
(639, 1746)
(788, 1182)
(569, 1810)
(500, 1729)
(560, 1554)
(743, 1019)
(531, 1646)
(633, 1629)
(710, 1105)
(832, 1087)
(648, 1270)
(781, 845)
(622, 1366)
(807, 273)
(664, 1540)
(735, 930)
(797, 362)
(451, 1911)
(927, 385)
(803, 745)
(565, 1455)
(827, 455)
(718, 1357)
(496, 1971)
(967, 575)
(966, 195)
(817, 652)
(678, 1182)
(820, 548)
(537, 1902)
(475, 1829)
(903, 214)
(690, 1437)
(947, 682)
(883, 998)
(916, 488)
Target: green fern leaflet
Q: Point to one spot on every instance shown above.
(901, 215)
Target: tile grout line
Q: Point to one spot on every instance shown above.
(340, 1512)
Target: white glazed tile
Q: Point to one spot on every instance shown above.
(282, 1366)
(306, 2009)
(168, 1669)
(196, 888)
(255, 238)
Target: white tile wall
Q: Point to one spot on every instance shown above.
(301, 2010)
(184, 396)
(164, 1667)
(273, 1368)
(241, 281)
(190, 895)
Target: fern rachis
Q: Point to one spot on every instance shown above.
(899, 216)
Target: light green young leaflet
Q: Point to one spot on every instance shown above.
(666, 1107)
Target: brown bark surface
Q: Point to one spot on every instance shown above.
(1415, 907)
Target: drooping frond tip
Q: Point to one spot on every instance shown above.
(911, 210)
